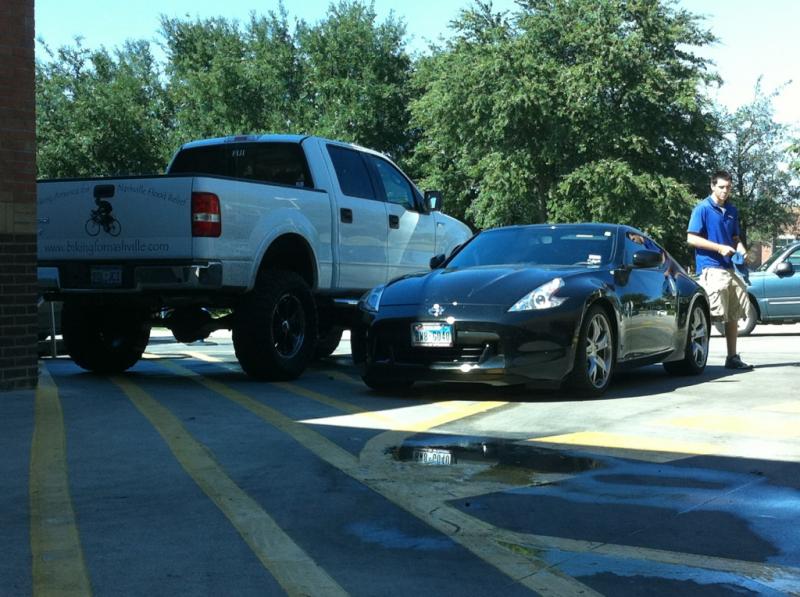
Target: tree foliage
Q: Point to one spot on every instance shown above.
(755, 150)
(100, 114)
(524, 118)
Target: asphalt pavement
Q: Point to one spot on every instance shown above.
(185, 477)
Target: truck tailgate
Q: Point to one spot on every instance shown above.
(115, 219)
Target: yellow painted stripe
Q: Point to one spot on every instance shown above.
(637, 443)
(469, 532)
(774, 427)
(287, 562)
(58, 567)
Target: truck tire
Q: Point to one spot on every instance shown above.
(104, 339)
(275, 326)
(328, 341)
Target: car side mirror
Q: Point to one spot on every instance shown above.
(784, 269)
(433, 201)
(647, 258)
(437, 260)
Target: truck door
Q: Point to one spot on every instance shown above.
(412, 233)
(362, 221)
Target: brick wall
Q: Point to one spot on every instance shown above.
(18, 329)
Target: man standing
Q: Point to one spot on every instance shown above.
(714, 233)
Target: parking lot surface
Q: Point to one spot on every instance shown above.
(185, 477)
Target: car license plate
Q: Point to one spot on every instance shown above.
(432, 456)
(106, 277)
(431, 334)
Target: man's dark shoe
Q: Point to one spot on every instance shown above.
(735, 362)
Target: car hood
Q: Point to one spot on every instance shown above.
(474, 285)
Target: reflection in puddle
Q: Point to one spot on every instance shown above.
(509, 461)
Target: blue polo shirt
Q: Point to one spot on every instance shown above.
(717, 224)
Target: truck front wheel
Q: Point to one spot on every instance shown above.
(275, 327)
(104, 339)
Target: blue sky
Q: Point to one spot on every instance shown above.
(756, 38)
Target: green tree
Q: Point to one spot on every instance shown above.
(569, 110)
(101, 114)
(756, 151)
(356, 75)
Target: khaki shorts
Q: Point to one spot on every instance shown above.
(727, 294)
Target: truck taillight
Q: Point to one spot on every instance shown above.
(206, 217)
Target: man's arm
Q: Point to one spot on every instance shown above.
(698, 242)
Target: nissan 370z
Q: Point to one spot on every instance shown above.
(554, 304)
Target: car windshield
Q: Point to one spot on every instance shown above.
(539, 245)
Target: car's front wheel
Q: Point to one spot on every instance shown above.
(696, 351)
(745, 326)
(594, 357)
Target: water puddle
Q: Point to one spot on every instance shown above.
(508, 461)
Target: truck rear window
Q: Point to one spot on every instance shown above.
(277, 163)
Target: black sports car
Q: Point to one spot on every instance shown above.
(529, 304)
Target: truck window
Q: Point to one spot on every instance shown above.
(397, 188)
(275, 163)
(351, 172)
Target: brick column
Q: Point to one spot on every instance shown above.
(18, 313)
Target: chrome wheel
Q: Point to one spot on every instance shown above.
(698, 337)
(599, 351)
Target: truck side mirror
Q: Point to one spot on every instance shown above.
(437, 260)
(433, 201)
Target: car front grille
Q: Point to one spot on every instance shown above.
(393, 344)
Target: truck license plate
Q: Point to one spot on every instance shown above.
(106, 277)
(431, 334)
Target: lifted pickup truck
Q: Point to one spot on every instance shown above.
(282, 233)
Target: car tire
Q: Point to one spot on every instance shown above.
(745, 326)
(595, 354)
(695, 354)
(327, 342)
(104, 339)
(274, 331)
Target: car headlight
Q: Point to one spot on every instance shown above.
(371, 301)
(541, 297)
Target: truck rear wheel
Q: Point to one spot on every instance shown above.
(328, 341)
(104, 339)
(275, 327)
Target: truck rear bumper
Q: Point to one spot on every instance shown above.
(129, 278)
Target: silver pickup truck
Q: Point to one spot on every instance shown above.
(280, 234)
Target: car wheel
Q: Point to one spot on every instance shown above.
(104, 339)
(594, 357)
(696, 351)
(275, 327)
(745, 326)
(327, 342)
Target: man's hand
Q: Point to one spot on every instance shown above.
(725, 250)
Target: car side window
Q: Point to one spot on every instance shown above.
(636, 242)
(397, 188)
(352, 172)
(794, 259)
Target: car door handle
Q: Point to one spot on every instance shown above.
(394, 221)
(346, 215)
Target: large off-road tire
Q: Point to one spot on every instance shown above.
(275, 327)
(696, 351)
(744, 327)
(594, 356)
(328, 341)
(104, 339)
